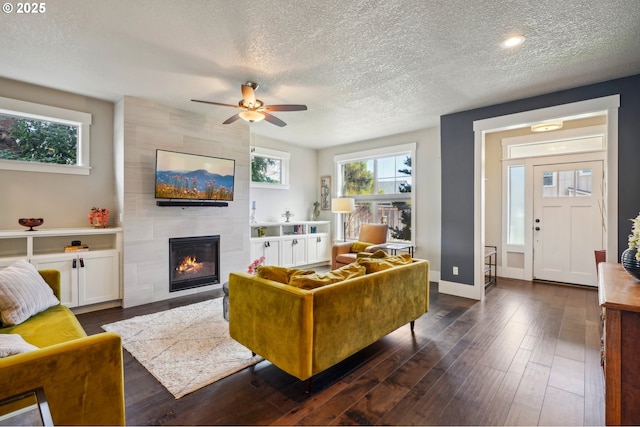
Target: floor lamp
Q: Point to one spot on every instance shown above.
(343, 205)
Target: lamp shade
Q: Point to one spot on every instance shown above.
(343, 205)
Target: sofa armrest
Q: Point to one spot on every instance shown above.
(82, 379)
(337, 249)
(374, 248)
(273, 320)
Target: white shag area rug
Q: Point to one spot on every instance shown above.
(185, 348)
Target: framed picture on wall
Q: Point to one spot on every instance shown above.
(325, 192)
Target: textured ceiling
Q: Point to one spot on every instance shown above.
(365, 68)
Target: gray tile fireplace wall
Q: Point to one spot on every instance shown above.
(140, 128)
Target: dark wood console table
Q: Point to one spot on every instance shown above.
(619, 295)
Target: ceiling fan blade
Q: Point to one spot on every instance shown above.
(273, 119)
(216, 103)
(285, 107)
(249, 95)
(231, 119)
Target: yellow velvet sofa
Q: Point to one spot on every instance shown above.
(82, 376)
(304, 332)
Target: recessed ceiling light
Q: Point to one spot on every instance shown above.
(512, 41)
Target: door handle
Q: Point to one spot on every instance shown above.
(82, 262)
(537, 219)
(537, 228)
(74, 263)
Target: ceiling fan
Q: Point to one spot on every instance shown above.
(254, 110)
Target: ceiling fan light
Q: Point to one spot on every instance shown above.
(251, 116)
(546, 127)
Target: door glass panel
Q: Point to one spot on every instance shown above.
(566, 185)
(583, 183)
(516, 206)
(549, 184)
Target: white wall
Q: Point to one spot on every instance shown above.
(426, 183)
(304, 186)
(62, 200)
(147, 126)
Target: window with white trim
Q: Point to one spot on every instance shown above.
(41, 138)
(381, 182)
(269, 168)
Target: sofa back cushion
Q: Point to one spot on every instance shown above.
(280, 274)
(315, 280)
(373, 264)
(23, 293)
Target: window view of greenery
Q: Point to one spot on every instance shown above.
(266, 169)
(374, 183)
(34, 140)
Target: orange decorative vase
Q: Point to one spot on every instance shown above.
(99, 217)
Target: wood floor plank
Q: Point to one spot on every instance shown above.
(520, 357)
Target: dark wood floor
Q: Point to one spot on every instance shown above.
(527, 355)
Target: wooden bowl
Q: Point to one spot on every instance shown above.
(30, 222)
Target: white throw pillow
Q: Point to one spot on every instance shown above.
(11, 344)
(23, 293)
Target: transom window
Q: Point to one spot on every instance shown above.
(381, 183)
(42, 138)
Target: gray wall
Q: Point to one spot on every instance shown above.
(62, 200)
(457, 148)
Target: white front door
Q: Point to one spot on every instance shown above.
(567, 225)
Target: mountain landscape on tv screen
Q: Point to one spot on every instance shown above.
(198, 185)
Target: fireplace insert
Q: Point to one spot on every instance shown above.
(193, 262)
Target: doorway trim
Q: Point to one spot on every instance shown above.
(608, 105)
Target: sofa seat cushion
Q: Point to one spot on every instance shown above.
(315, 280)
(54, 325)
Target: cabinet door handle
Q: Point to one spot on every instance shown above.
(319, 239)
(82, 262)
(74, 263)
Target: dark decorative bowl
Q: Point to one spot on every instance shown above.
(630, 263)
(30, 222)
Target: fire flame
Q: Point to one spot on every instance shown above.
(189, 264)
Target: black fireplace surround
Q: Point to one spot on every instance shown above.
(193, 262)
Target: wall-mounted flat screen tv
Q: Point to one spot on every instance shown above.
(193, 177)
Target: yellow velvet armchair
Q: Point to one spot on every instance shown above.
(82, 376)
(343, 253)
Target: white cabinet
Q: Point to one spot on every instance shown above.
(291, 244)
(318, 248)
(268, 248)
(294, 251)
(87, 277)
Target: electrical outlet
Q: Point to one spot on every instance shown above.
(455, 271)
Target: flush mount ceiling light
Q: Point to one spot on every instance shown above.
(513, 41)
(546, 127)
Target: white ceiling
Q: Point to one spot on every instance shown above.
(364, 68)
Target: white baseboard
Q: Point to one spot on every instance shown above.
(458, 289)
